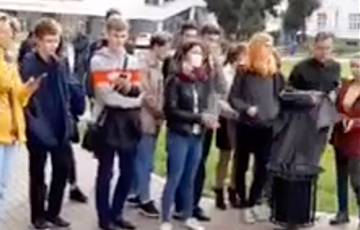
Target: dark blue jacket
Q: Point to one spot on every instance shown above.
(60, 93)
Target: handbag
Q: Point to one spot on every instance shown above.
(94, 133)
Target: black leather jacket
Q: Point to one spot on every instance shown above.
(182, 107)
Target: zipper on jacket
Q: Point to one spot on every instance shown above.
(196, 127)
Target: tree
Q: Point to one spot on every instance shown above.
(242, 17)
(297, 13)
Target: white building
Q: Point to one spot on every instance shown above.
(341, 17)
(145, 15)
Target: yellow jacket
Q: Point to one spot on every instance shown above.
(13, 97)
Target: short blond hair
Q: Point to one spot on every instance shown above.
(117, 23)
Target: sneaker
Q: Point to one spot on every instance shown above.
(261, 212)
(134, 201)
(248, 216)
(107, 227)
(78, 196)
(58, 222)
(340, 219)
(149, 210)
(193, 224)
(41, 225)
(166, 226)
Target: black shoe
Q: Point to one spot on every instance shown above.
(107, 227)
(58, 222)
(134, 201)
(78, 196)
(149, 210)
(199, 214)
(219, 198)
(340, 218)
(233, 198)
(124, 224)
(178, 216)
(41, 225)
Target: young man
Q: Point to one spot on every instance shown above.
(151, 118)
(117, 102)
(48, 132)
(210, 35)
(188, 32)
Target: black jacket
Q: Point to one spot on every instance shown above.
(249, 90)
(181, 111)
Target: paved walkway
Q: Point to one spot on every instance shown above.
(83, 216)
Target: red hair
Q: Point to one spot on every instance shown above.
(261, 58)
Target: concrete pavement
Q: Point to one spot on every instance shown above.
(83, 216)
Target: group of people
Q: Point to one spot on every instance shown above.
(238, 93)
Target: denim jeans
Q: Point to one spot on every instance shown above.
(184, 155)
(7, 155)
(144, 167)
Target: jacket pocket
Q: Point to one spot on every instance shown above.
(39, 133)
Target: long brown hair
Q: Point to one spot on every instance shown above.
(261, 59)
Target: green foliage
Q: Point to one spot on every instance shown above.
(242, 17)
(297, 12)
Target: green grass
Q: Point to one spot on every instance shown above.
(327, 184)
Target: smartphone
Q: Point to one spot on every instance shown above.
(42, 76)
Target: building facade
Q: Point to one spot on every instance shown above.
(341, 17)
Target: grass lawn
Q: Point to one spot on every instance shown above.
(327, 185)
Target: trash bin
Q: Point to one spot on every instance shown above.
(293, 201)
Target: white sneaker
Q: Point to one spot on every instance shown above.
(166, 226)
(248, 216)
(193, 224)
(262, 212)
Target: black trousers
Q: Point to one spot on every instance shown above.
(60, 157)
(200, 176)
(256, 140)
(109, 210)
(72, 168)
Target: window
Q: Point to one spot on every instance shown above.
(321, 21)
(354, 21)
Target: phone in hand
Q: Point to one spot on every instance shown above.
(42, 76)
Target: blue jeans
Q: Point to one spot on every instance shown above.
(184, 155)
(7, 155)
(144, 167)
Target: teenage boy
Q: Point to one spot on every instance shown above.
(151, 119)
(117, 102)
(49, 125)
(189, 31)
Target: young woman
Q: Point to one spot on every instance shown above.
(254, 95)
(225, 136)
(346, 142)
(186, 102)
(14, 95)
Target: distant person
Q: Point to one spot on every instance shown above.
(14, 96)
(26, 46)
(225, 135)
(189, 32)
(81, 44)
(152, 118)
